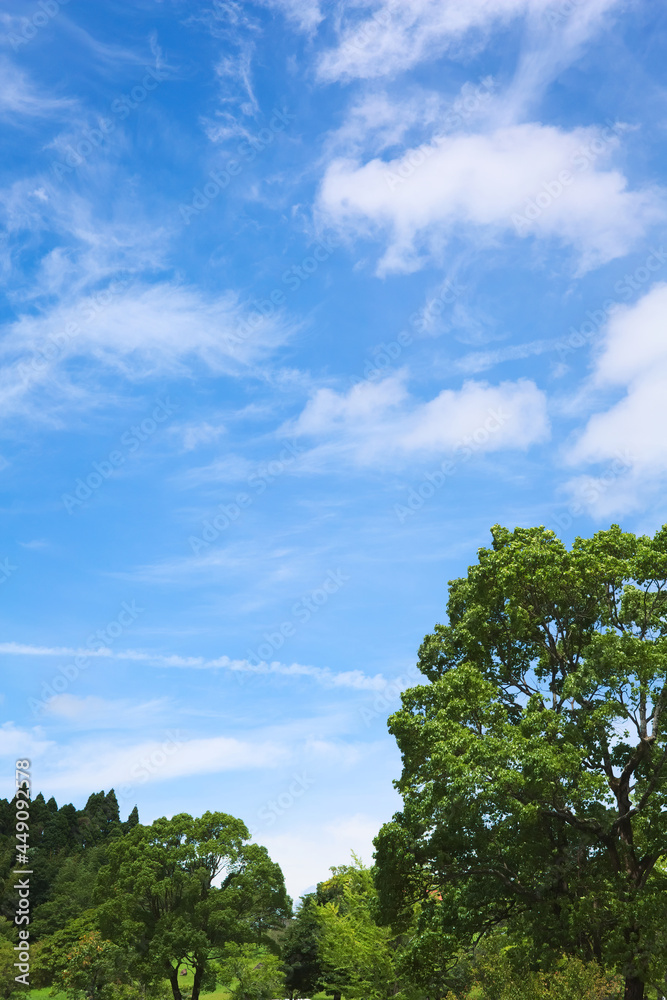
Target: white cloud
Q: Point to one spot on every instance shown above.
(307, 854)
(195, 434)
(354, 679)
(378, 120)
(16, 742)
(614, 490)
(378, 421)
(479, 361)
(530, 180)
(306, 13)
(633, 355)
(140, 330)
(102, 764)
(635, 341)
(152, 326)
(635, 424)
(36, 544)
(385, 37)
(20, 98)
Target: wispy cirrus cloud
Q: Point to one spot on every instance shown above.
(385, 37)
(88, 764)
(355, 679)
(306, 13)
(135, 329)
(21, 98)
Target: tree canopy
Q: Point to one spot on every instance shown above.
(535, 758)
(182, 888)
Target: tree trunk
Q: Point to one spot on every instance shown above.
(634, 989)
(196, 986)
(173, 979)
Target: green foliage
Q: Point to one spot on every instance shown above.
(8, 930)
(356, 954)
(299, 948)
(535, 759)
(253, 973)
(8, 986)
(181, 889)
(92, 967)
(71, 892)
(67, 848)
(497, 978)
(49, 957)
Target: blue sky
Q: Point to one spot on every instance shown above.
(299, 299)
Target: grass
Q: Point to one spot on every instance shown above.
(45, 994)
(186, 983)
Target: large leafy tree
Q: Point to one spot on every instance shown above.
(179, 890)
(535, 758)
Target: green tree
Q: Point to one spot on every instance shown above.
(535, 759)
(179, 890)
(299, 948)
(93, 969)
(252, 972)
(50, 955)
(357, 957)
(71, 890)
(99, 818)
(67, 847)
